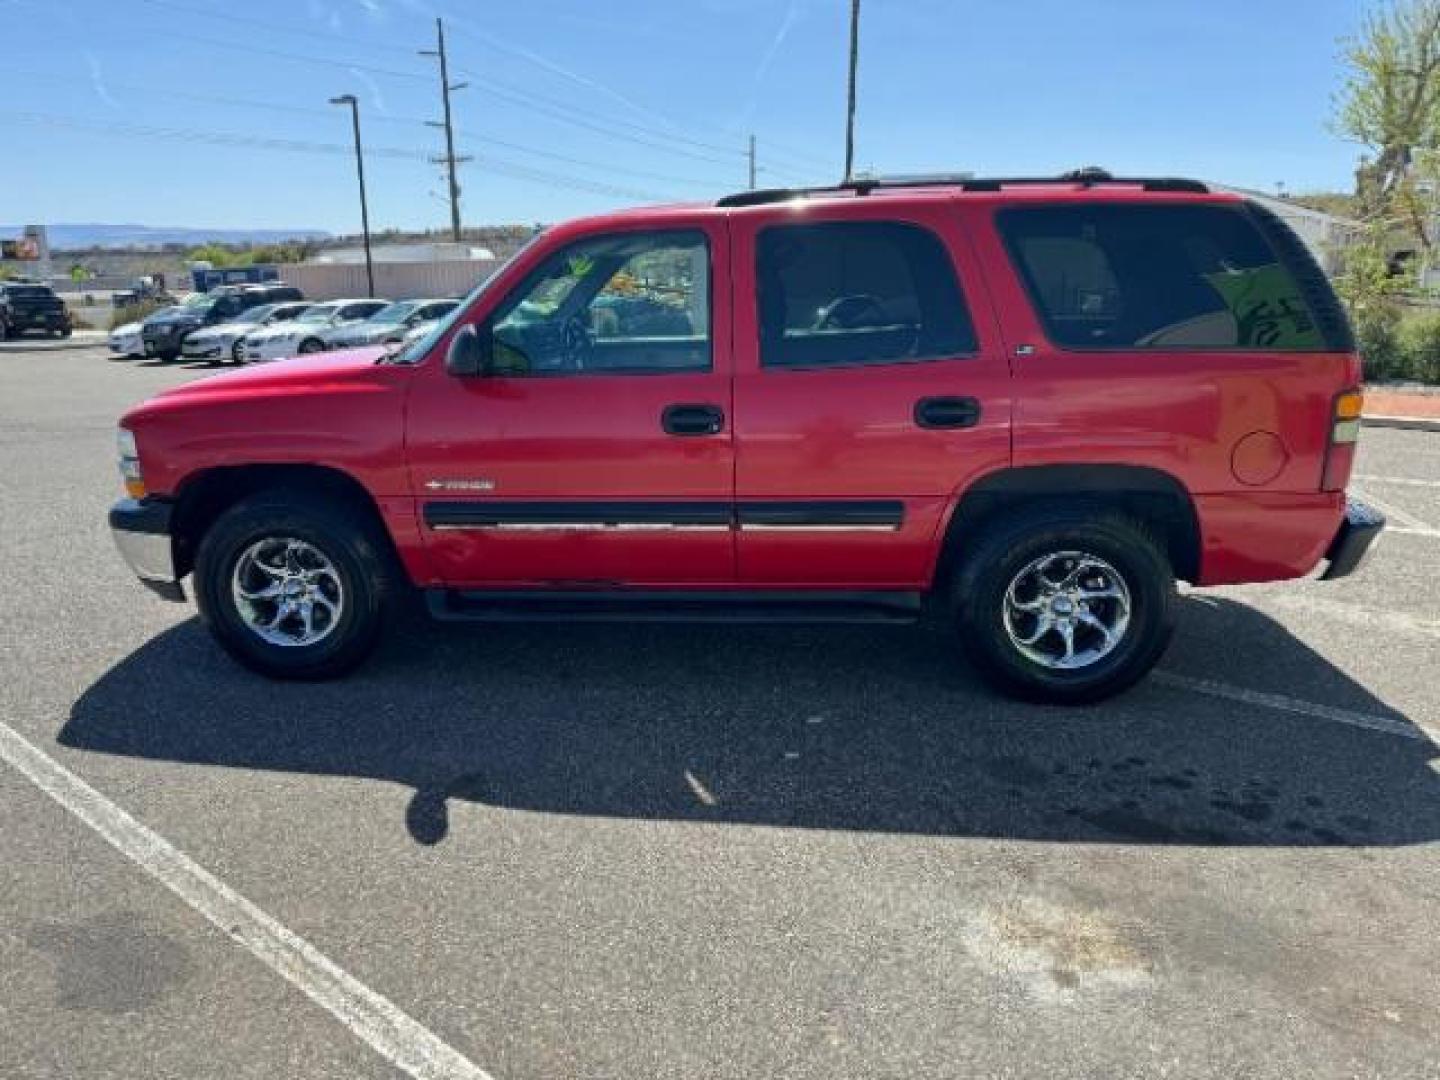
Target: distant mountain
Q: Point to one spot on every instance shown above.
(68, 235)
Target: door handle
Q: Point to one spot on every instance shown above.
(693, 419)
(947, 412)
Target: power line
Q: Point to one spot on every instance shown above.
(243, 141)
(519, 99)
(214, 138)
(775, 150)
(407, 121)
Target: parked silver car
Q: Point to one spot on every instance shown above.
(303, 334)
(388, 325)
(222, 342)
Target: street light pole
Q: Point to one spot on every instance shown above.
(354, 103)
(850, 103)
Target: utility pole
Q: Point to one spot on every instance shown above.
(449, 160)
(850, 105)
(354, 103)
(752, 162)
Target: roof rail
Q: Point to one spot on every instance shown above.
(1087, 177)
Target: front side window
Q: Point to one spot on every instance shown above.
(320, 313)
(870, 292)
(628, 303)
(1157, 277)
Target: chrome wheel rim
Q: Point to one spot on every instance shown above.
(287, 592)
(1067, 610)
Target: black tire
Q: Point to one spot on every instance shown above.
(65, 331)
(345, 536)
(311, 345)
(1008, 547)
(235, 356)
(4, 330)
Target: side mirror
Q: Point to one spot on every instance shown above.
(465, 359)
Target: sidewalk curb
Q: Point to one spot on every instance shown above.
(1403, 423)
(24, 345)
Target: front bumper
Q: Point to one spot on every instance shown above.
(142, 531)
(40, 320)
(1354, 540)
(255, 351)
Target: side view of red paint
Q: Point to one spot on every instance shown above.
(1024, 407)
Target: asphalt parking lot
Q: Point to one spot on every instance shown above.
(654, 852)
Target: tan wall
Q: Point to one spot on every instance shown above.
(394, 281)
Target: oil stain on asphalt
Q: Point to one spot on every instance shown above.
(113, 963)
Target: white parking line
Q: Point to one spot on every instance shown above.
(1403, 481)
(1401, 530)
(1368, 721)
(1398, 622)
(375, 1019)
(1406, 520)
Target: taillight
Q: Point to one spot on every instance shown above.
(1344, 435)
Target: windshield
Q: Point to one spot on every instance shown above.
(255, 314)
(319, 313)
(416, 350)
(198, 299)
(395, 313)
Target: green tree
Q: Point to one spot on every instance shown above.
(1390, 102)
(215, 254)
(1373, 293)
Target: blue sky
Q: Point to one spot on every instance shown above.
(151, 110)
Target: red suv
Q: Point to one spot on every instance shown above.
(1023, 407)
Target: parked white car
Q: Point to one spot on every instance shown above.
(222, 342)
(304, 334)
(125, 341)
(388, 325)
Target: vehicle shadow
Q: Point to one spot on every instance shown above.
(844, 728)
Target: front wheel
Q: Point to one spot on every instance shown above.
(1065, 605)
(311, 345)
(292, 587)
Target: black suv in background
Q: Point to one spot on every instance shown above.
(28, 305)
(163, 334)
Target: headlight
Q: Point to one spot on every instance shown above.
(130, 463)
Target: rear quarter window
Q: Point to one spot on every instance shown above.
(1162, 278)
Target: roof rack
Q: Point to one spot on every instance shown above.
(1087, 177)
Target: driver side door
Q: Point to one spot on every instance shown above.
(597, 448)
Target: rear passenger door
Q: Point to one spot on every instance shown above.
(870, 387)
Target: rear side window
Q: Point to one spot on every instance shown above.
(864, 292)
(1158, 277)
(361, 311)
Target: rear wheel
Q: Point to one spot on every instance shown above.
(1065, 604)
(292, 587)
(311, 345)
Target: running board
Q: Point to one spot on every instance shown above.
(672, 606)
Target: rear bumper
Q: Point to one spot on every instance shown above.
(1354, 540)
(142, 532)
